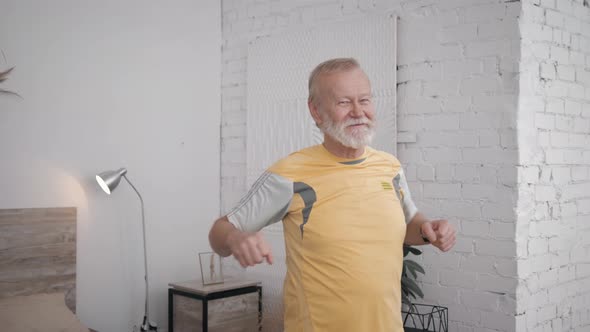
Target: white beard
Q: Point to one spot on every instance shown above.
(358, 137)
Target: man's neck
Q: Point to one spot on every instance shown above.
(336, 148)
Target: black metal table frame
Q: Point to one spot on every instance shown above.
(437, 318)
(209, 297)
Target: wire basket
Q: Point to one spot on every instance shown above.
(425, 317)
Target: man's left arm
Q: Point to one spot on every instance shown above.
(440, 233)
(420, 230)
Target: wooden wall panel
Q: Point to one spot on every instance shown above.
(37, 250)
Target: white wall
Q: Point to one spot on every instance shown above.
(553, 237)
(113, 84)
(457, 100)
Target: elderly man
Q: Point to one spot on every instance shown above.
(346, 211)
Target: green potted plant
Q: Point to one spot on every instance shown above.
(410, 270)
(419, 317)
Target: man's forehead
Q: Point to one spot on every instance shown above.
(345, 72)
(350, 79)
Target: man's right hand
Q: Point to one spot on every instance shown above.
(249, 248)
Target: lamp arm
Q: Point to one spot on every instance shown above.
(146, 318)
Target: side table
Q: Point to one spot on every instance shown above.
(235, 305)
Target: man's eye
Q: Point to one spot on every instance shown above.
(343, 102)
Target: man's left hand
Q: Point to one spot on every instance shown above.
(440, 233)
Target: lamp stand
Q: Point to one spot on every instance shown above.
(146, 325)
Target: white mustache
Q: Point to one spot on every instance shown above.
(353, 122)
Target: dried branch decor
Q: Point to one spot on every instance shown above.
(4, 77)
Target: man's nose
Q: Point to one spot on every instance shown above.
(357, 110)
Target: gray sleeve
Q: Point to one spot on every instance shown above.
(266, 203)
(408, 205)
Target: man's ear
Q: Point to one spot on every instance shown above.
(315, 112)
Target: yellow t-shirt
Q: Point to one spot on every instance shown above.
(344, 227)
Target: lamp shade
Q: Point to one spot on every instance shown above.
(109, 180)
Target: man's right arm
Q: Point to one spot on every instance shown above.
(249, 248)
(218, 236)
(238, 233)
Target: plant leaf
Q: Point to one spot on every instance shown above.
(405, 299)
(414, 251)
(413, 273)
(6, 92)
(4, 74)
(414, 289)
(413, 267)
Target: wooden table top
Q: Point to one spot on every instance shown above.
(197, 287)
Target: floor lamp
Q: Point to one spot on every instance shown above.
(108, 181)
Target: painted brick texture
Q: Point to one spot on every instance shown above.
(494, 116)
(553, 174)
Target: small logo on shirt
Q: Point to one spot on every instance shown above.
(386, 186)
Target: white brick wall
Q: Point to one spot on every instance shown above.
(554, 184)
(461, 72)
